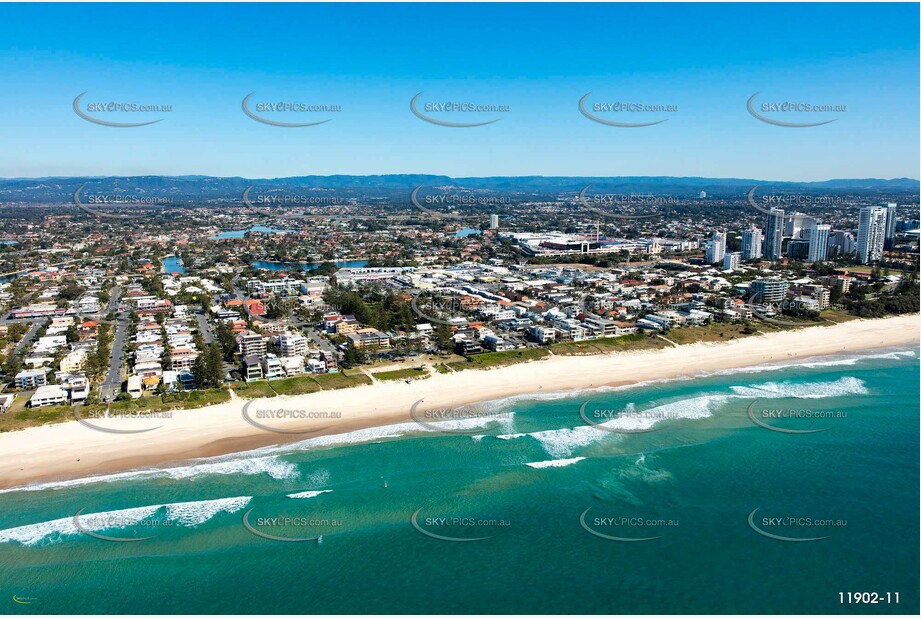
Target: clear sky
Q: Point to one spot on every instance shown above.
(537, 59)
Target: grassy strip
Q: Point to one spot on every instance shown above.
(607, 345)
(334, 381)
(492, 360)
(253, 390)
(295, 385)
(32, 417)
(413, 373)
(711, 332)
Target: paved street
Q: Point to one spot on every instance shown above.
(204, 326)
(29, 336)
(113, 382)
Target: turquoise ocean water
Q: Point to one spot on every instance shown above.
(707, 487)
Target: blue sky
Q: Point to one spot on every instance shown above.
(537, 59)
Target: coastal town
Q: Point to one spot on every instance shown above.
(188, 306)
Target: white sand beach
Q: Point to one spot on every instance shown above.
(72, 450)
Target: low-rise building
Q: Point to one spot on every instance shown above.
(48, 395)
(292, 345)
(368, 338)
(272, 368)
(30, 378)
(251, 344)
(135, 386)
(252, 368)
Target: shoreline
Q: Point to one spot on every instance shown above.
(71, 450)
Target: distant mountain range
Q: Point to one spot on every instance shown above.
(397, 186)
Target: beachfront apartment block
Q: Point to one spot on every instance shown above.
(135, 386)
(183, 359)
(601, 327)
(542, 334)
(76, 385)
(770, 290)
(292, 345)
(272, 368)
(30, 378)
(570, 329)
(252, 368)
(294, 365)
(329, 359)
(467, 347)
(48, 395)
(251, 344)
(368, 338)
(496, 343)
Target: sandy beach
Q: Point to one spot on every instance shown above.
(73, 450)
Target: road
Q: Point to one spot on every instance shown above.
(322, 343)
(113, 382)
(114, 295)
(237, 292)
(204, 327)
(29, 336)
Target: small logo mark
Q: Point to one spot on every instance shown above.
(415, 523)
(776, 537)
(780, 123)
(413, 106)
(275, 123)
(608, 537)
(79, 526)
(612, 123)
(106, 123)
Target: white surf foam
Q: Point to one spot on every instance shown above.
(563, 442)
(555, 463)
(225, 464)
(186, 514)
(265, 460)
(310, 494)
(805, 390)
